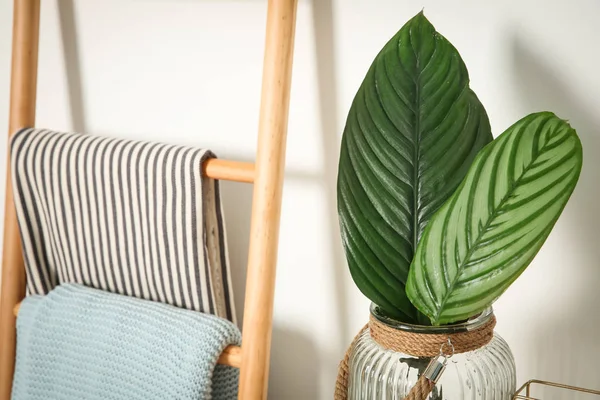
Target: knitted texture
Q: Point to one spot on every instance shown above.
(83, 343)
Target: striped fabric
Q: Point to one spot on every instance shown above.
(129, 217)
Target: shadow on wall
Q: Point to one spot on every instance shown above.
(68, 30)
(237, 204)
(323, 25)
(294, 365)
(566, 347)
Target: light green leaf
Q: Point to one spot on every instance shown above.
(412, 132)
(487, 233)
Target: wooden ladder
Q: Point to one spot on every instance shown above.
(266, 174)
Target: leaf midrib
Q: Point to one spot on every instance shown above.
(482, 232)
(416, 154)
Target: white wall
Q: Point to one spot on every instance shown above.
(189, 72)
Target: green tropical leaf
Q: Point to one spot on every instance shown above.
(412, 132)
(487, 233)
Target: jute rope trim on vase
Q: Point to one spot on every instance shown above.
(417, 345)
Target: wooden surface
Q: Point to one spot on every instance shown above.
(266, 204)
(232, 356)
(229, 170)
(26, 19)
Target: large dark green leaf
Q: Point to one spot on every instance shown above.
(412, 132)
(487, 233)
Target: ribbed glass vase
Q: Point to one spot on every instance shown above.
(487, 373)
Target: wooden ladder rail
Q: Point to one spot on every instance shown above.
(26, 25)
(267, 175)
(266, 200)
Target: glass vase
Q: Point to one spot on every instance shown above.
(376, 373)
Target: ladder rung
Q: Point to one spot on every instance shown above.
(229, 170)
(232, 355)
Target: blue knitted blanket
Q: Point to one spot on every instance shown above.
(82, 343)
